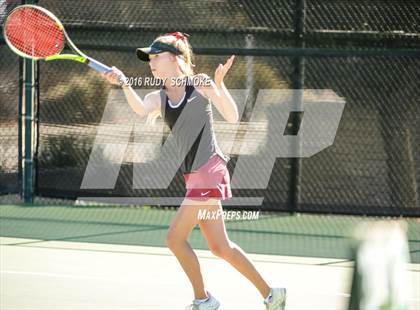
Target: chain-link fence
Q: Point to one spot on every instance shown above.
(9, 97)
(366, 52)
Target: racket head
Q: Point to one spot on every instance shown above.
(33, 32)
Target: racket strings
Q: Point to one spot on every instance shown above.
(34, 33)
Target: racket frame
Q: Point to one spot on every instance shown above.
(51, 15)
(79, 56)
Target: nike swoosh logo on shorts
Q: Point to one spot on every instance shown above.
(203, 194)
(191, 99)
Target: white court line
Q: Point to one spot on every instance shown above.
(54, 275)
(149, 250)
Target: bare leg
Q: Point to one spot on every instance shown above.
(176, 240)
(218, 242)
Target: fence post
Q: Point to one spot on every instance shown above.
(298, 80)
(27, 126)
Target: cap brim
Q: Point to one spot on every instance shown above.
(143, 53)
(156, 48)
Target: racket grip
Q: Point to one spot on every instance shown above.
(98, 66)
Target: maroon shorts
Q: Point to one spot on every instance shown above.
(211, 180)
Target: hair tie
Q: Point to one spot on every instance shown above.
(179, 35)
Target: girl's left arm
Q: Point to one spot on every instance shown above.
(219, 95)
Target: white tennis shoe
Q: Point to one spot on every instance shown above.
(277, 300)
(210, 304)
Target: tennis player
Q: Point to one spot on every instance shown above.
(187, 110)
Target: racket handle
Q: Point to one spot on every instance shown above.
(98, 66)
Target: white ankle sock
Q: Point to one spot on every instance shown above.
(199, 301)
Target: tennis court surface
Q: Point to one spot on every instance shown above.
(80, 257)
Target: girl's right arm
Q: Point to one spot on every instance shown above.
(150, 103)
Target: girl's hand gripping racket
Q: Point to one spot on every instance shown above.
(34, 32)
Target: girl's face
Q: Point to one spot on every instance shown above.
(163, 65)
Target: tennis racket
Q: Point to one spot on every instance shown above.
(34, 32)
